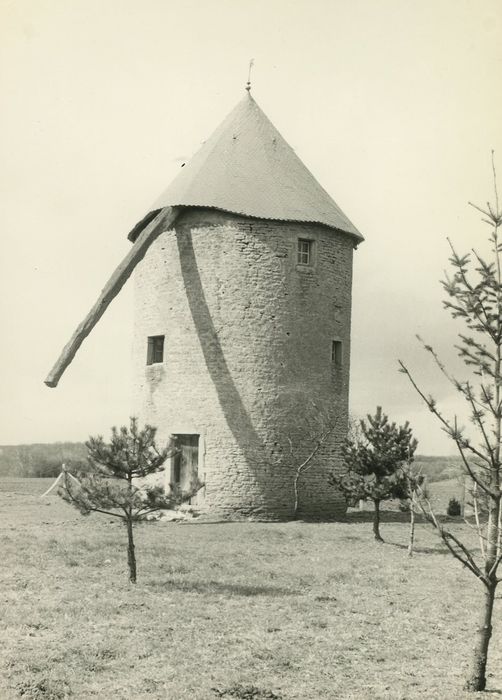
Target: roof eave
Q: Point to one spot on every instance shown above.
(134, 233)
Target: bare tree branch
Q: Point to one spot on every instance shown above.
(476, 516)
(460, 442)
(307, 463)
(464, 556)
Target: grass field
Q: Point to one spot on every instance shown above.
(232, 610)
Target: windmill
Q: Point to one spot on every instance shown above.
(243, 274)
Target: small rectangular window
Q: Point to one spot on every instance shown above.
(155, 353)
(304, 252)
(336, 352)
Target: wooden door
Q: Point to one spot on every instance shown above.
(185, 464)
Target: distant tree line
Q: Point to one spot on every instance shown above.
(45, 459)
(437, 468)
(41, 460)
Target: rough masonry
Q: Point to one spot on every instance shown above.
(248, 356)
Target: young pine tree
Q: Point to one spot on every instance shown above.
(374, 463)
(475, 298)
(110, 484)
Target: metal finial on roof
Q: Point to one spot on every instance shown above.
(248, 84)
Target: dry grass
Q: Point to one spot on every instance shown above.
(247, 610)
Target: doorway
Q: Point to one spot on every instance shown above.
(185, 463)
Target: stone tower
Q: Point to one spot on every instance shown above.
(242, 325)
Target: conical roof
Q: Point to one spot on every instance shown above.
(246, 167)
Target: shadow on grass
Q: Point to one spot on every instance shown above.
(397, 516)
(419, 550)
(386, 516)
(216, 587)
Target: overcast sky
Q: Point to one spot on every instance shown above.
(393, 105)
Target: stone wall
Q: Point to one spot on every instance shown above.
(248, 356)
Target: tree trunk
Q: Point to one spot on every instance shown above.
(131, 557)
(376, 520)
(412, 531)
(295, 488)
(477, 678)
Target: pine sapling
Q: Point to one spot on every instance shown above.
(111, 485)
(374, 462)
(474, 296)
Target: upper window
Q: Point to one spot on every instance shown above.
(304, 252)
(155, 352)
(336, 353)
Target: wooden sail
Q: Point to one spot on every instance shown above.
(163, 221)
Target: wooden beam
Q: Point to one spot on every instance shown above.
(163, 221)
